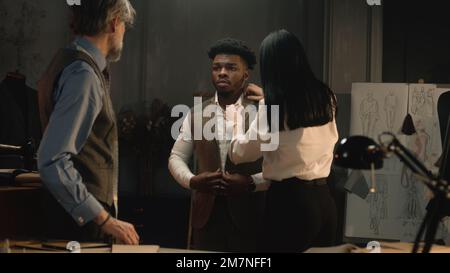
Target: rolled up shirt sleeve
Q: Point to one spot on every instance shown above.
(78, 103)
(246, 147)
(181, 155)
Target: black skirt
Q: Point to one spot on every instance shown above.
(299, 215)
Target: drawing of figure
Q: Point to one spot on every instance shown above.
(422, 141)
(443, 231)
(412, 202)
(413, 205)
(390, 107)
(373, 214)
(412, 212)
(414, 101)
(418, 102)
(429, 103)
(369, 114)
(421, 110)
(409, 230)
(378, 207)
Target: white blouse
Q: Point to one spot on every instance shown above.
(305, 153)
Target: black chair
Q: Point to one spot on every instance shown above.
(444, 113)
(444, 170)
(444, 120)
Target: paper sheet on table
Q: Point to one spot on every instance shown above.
(135, 249)
(348, 248)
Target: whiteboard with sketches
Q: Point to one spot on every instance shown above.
(397, 208)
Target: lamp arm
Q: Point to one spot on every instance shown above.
(410, 160)
(417, 167)
(405, 155)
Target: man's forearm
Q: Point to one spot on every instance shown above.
(179, 159)
(66, 185)
(180, 171)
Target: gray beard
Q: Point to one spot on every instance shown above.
(115, 54)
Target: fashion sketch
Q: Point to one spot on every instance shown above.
(418, 102)
(369, 114)
(378, 207)
(390, 107)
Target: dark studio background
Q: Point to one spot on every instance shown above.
(165, 58)
(416, 41)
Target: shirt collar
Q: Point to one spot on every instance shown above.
(238, 102)
(93, 51)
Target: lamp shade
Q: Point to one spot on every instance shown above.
(359, 152)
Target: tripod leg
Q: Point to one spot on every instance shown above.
(433, 226)
(421, 231)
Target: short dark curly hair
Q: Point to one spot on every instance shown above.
(234, 47)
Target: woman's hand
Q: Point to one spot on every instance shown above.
(254, 92)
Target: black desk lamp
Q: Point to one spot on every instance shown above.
(363, 153)
(360, 153)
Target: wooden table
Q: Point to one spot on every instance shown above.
(27, 247)
(386, 248)
(20, 212)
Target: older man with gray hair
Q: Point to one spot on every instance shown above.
(78, 156)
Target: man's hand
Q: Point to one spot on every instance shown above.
(209, 182)
(238, 183)
(254, 92)
(123, 232)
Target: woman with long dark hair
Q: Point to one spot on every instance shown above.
(300, 212)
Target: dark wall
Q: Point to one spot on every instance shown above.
(175, 36)
(416, 41)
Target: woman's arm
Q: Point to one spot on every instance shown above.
(246, 148)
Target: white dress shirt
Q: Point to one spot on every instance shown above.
(305, 153)
(184, 146)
